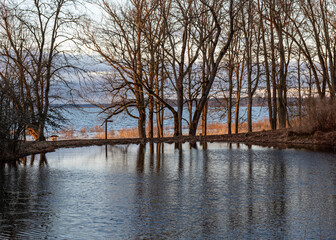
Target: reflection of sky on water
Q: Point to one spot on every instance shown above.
(126, 192)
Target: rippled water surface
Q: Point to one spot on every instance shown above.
(218, 191)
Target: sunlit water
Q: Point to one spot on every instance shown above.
(223, 192)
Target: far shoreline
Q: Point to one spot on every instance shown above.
(283, 138)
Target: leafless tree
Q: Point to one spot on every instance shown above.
(217, 50)
(33, 35)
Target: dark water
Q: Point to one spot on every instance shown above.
(223, 192)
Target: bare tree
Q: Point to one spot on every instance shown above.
(215, 53)
(33, 38)
(118, 42)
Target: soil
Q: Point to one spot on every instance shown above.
(277, 138)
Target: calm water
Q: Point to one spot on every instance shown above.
(222, 192)
(89, 117)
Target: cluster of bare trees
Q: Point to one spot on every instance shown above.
(190, 51)
(154, 49)
(168, 55)
(33, 60)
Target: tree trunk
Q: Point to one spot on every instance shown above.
(204, 119)
(142, 123)
(159, 120)
(179, 107)
(41, 136)
(204, 83)
(282, 80)
(239, 77)
(151, 117)
(176, 124)
(268, 79)
(299, 87)
(274, 85)
(229, 103)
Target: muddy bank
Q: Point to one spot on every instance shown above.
(279, 138)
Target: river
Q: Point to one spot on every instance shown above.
(217, 191)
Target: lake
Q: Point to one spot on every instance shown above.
(212, 191)
(89, 117)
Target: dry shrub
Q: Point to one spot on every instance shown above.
(213, 128)
(318, 115)
(295, 122)
(83, 132)
(133, 132)
(101, 135)
(128, 133)
(167, 131)
(97, 129)
(216, 128)
(242, 127)
(261, 125)
(68, 132)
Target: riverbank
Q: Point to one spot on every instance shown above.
(278, 138)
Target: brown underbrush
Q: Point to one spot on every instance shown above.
(67, 132)
(97, 129)
(319, 115)
(215, 128)
(130, 133)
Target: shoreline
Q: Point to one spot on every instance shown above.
(284, 138)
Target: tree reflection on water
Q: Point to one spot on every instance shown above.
(170, 191)
(22, 203)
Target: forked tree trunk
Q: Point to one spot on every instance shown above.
(214, 63)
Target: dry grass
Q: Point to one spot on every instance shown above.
(97, 129)
(101, 135)
(318, 115)
(68, 132)
(167, 131)
(83, 131)
(128, 133)
(261, 125)
(123, 133)
(98, 132)
(216, 128)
